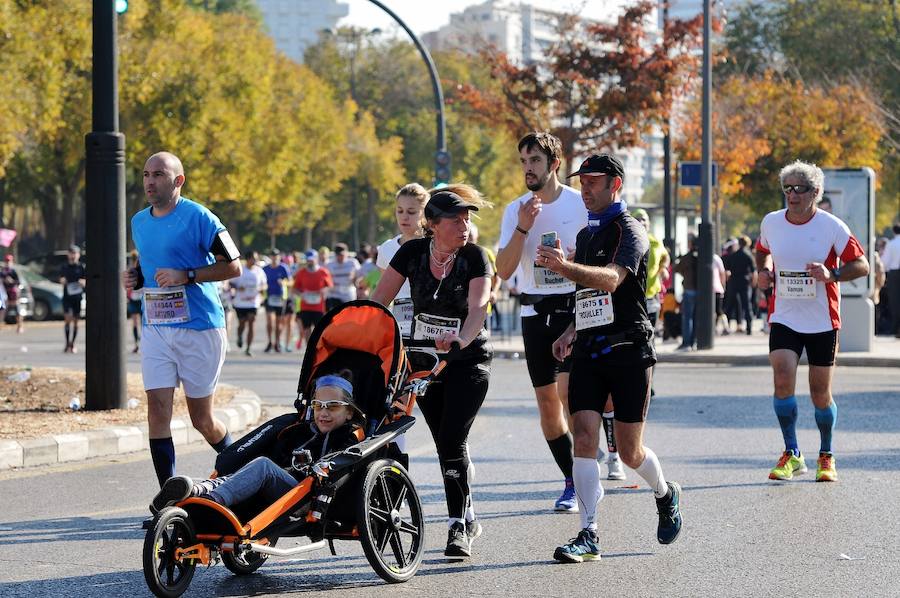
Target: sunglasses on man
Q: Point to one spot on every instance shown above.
(798, 189)
(328, 405)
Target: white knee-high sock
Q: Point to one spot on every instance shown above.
(586, 475)
(651, 471)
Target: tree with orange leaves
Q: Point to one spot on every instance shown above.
(761, 123)
(600, 86)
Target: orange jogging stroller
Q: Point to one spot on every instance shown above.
(362, 493)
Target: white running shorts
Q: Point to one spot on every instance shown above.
(170, 355)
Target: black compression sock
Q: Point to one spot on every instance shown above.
(162, 451)
(562, 450)
(222, 444)
(66, 327)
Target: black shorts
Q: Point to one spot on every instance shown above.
(72, 305)
(591, 382)
(278, 310)
(135, 307)
(821, 347)
(245, 312)
(309, 318)
(539, 333)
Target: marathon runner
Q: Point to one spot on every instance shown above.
(611, 350)
(799, 250)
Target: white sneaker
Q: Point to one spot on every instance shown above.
(616, 471)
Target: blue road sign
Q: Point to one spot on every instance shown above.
(690, 174)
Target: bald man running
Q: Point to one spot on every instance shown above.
(184, 251)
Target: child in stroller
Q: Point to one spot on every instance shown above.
(348, 482)
(336, 426)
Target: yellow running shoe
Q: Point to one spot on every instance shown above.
(826, 471)
(787, 466)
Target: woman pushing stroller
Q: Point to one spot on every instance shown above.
(336, 419)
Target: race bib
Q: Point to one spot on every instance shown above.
(166, 306)
(274, 300)
(593, 308)
(403, 312)
(429, 327)
(246, 295)
(795, 285)
(311, 297)
(74, 288)
(545, 278)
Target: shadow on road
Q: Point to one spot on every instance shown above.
(69, 529)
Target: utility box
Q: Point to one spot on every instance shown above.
(852, 195)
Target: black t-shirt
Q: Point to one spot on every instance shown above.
(623, 242)
(72, 273)
(434, 299)
(741, 265)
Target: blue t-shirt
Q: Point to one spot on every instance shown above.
(181, 240)
(274, 276)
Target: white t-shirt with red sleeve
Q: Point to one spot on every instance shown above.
(798, 301)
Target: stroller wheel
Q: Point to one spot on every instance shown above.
(390, 521)
(245, 563)
(167, 577)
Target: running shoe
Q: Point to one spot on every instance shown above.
(583, 547)
(248, 353)
(788, 465)
(458, 543)
(268, 348)
(567, 501)
(826, 471)
(616, 471)
(669, 509)
(473, 530)
(175, 490)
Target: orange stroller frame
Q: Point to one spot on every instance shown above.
(362, 493)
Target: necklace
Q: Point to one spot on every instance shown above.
(442, 264)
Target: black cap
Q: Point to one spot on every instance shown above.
(598, 164)
(340, 248)
(446, 203)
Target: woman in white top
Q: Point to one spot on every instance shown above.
(410, 213)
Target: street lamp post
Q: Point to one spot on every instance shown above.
(705, 309)
(441, 156)
(105, 384)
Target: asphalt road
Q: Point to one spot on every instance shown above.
(74, 530)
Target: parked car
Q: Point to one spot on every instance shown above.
(47, 295)
(24, 304)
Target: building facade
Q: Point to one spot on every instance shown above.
(296, 24)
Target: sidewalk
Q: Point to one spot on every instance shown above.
(240, 415)
(736, 349)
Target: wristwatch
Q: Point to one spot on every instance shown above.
(192, 276)
(836, 273)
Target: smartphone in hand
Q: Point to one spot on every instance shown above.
(548, 239)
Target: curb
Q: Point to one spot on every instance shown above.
(701, 357)
(242, 413)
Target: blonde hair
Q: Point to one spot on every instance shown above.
(467, 192)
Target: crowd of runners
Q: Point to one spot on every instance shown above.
(590, 277)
